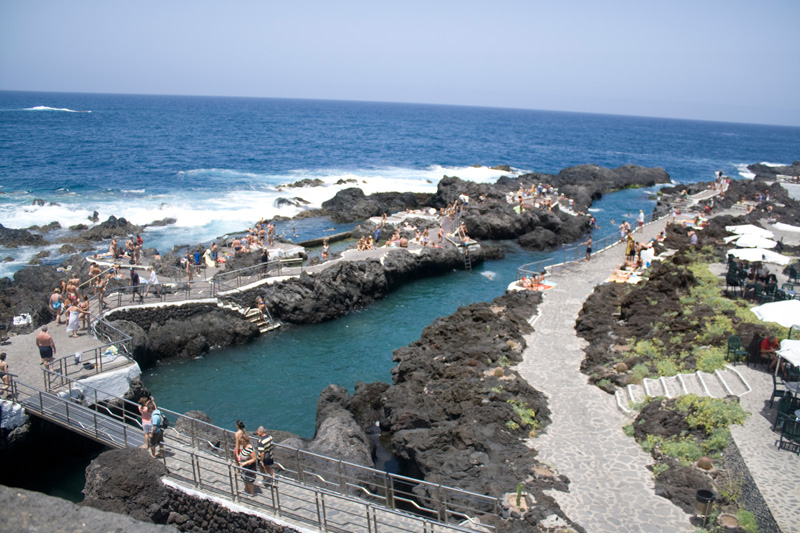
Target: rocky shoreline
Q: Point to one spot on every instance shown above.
(455, 414)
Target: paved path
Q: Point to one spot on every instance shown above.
(24, 361)
(776, 472)
(611, 488)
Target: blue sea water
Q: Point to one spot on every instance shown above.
(215, 165)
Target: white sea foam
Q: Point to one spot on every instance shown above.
(744, 171)
(766, 164)
(203, 213)
(45, 108)
(488, 274)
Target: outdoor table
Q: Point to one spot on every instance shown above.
(793, 387)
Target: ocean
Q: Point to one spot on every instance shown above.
(216, 164)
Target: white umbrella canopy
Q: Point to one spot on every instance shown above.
(786, 312)
(750, 229)
(786, 227)
(790, 350)
(751, 241)
(759, 254)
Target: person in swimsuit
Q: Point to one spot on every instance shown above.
(588, 249)
(84, 317)
(57, 305)
(239, 439)
(47, 347)
(6, 390)
(146, 408)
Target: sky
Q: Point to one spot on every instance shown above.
(732, 60)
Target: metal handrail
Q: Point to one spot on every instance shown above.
(258, 271)
(304, 467)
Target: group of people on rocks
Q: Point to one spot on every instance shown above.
(132, 249)
(541, 196)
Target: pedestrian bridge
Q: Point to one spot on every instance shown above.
(311, 491)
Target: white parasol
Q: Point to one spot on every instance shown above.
(790, 350)
(786, 312)
(759, 254)
(751, 241)
(785, 227)
(749, 229)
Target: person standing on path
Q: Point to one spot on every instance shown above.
(156, 433)
(146, 408)
(238, 440)
(588, 250)
(47, 347)
(135, 286)
(247, 459)
(640, 219)
(6, 390)
(57, 305)
(265, 459)
(84, 317)
(73, 320)
(152, 282)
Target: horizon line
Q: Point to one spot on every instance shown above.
(250, 97)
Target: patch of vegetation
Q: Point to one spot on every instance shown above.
(710, 359)
(639, 372)
(710, 414)
(747, 521)
(525, 413)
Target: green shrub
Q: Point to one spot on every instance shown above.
(685, 449)
(710, 359)
(650, 348)
(513, 426)
(603, 383)
(710, 413)
(650, 443)
(717, 440)
(747, 521)
(639, 372)
(628, 429)
(659, 468)
(525, 413)
(666, 368)
(716, 330)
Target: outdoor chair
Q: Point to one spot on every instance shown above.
(733, 281)
(754, 352)
(786, 408)
(765, 294)
(793, 274)
(783, 293)
(778, 390)
(791, 432)
(735, 350)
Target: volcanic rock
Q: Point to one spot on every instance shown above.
(127, 481)
(14, 238)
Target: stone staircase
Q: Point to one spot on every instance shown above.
(264, 321)
(719, 384)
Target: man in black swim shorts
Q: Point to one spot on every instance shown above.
(47, 347)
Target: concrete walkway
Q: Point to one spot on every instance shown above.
(611, 488)
(775, 472)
